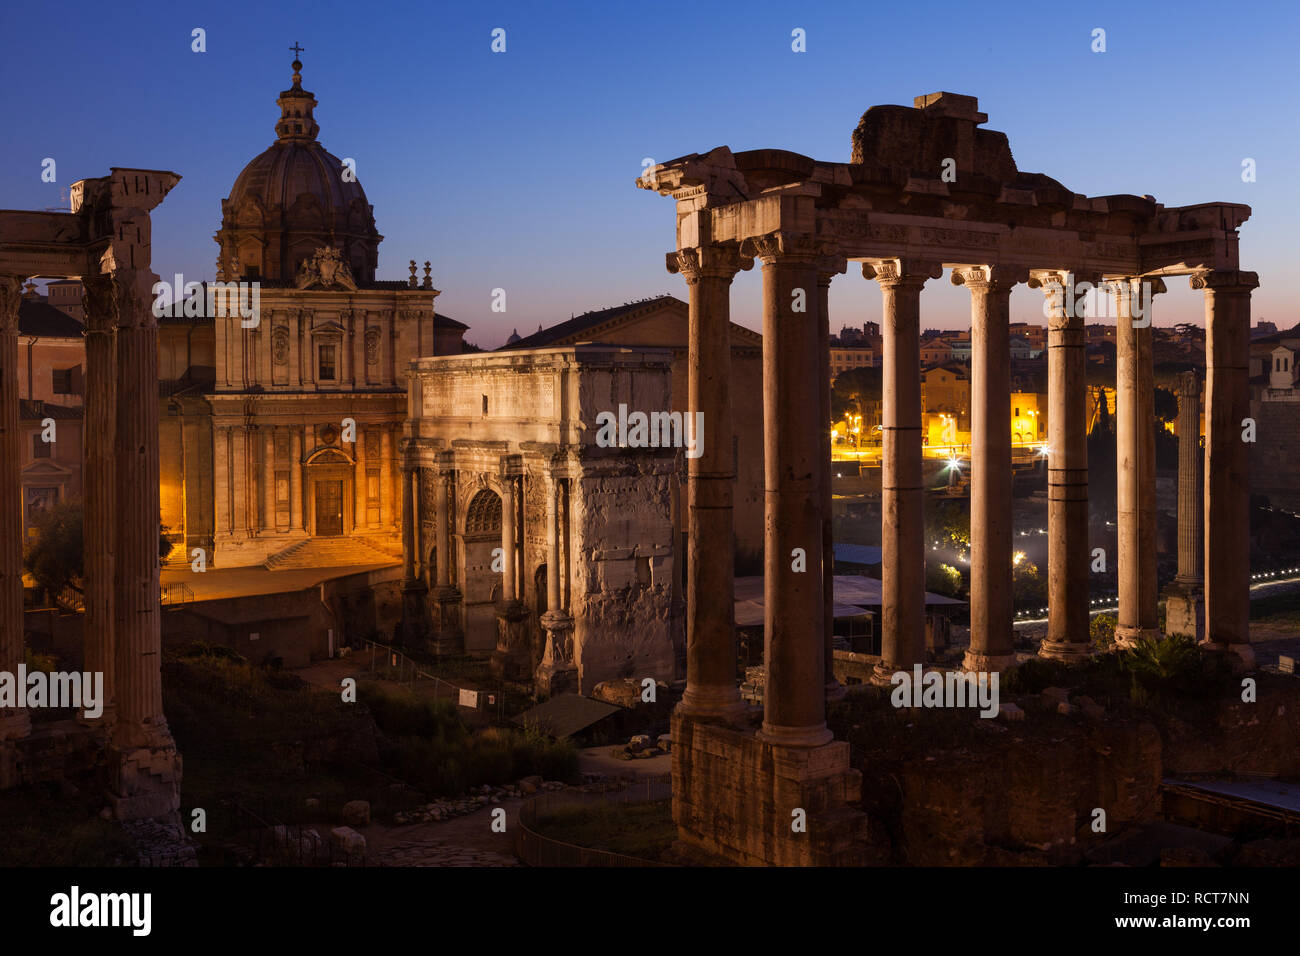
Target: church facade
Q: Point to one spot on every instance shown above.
(279, 432)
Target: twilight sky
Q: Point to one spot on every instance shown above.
(516, 169)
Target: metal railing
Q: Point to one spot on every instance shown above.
(174, 596)
(389, 663)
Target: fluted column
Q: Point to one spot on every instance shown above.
(14, 722)
(295, 478)
(711, 689)
(98, 481)
(795, 697)
(140, 720)
(991, 646)
(1227, 464)
(1068, 556)
(386, 477)
(1135, 460)
(221, 473)
(902, 494)
(1190, 570)
(238, 477)
(268, 477)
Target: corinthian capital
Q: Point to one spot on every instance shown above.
(11, 296)
(711, 261)
(1225, 280)
(133, 298)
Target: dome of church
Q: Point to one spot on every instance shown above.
(293, 199)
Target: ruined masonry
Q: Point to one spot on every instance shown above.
(892, 210)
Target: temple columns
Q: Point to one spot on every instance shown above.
(991, 647)
(901, 491)
(14, 722)
(1135, 460)
(711, 689)
(1227, 465)
(408, 526)
(795, 697)
(1067, 473)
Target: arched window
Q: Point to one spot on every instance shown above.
(483, 516)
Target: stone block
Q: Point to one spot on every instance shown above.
(349, 843)
(1010, 712)
(356, 813)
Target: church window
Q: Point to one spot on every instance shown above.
(327, 370)
(63, 381)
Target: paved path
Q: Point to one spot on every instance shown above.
(462, 841)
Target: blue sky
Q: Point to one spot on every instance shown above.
(517, 170)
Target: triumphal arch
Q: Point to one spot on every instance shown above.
(926, 189)
(105, 242)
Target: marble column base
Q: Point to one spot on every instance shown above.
(1071, 651)
(981, 663)
(1127, 636)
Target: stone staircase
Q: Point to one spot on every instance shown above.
(330, 553)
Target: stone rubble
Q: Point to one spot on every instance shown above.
(474, 800)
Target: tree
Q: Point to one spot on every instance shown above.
(56, 557)
(857, 390)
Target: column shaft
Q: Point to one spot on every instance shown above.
(991, 646)
(1135, 444)
(360, 482)
(408, 525)
(444, 532)
(268, 477)
(14, 722)
(1068, 556)
(795, 696)
(1227, 464)
(140, 720)
(552, 546)
(902, 497)
(1189, 479)
(98, 478)
(508, 542)
(386, 477)
(295, 478)
(710, 561)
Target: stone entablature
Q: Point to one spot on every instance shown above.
(527, 480)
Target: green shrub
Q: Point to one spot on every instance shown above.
(1102, 631)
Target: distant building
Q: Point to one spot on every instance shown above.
(936, 352)
(842, 359)
(51, 457)
(52, 355)
(66, 296)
